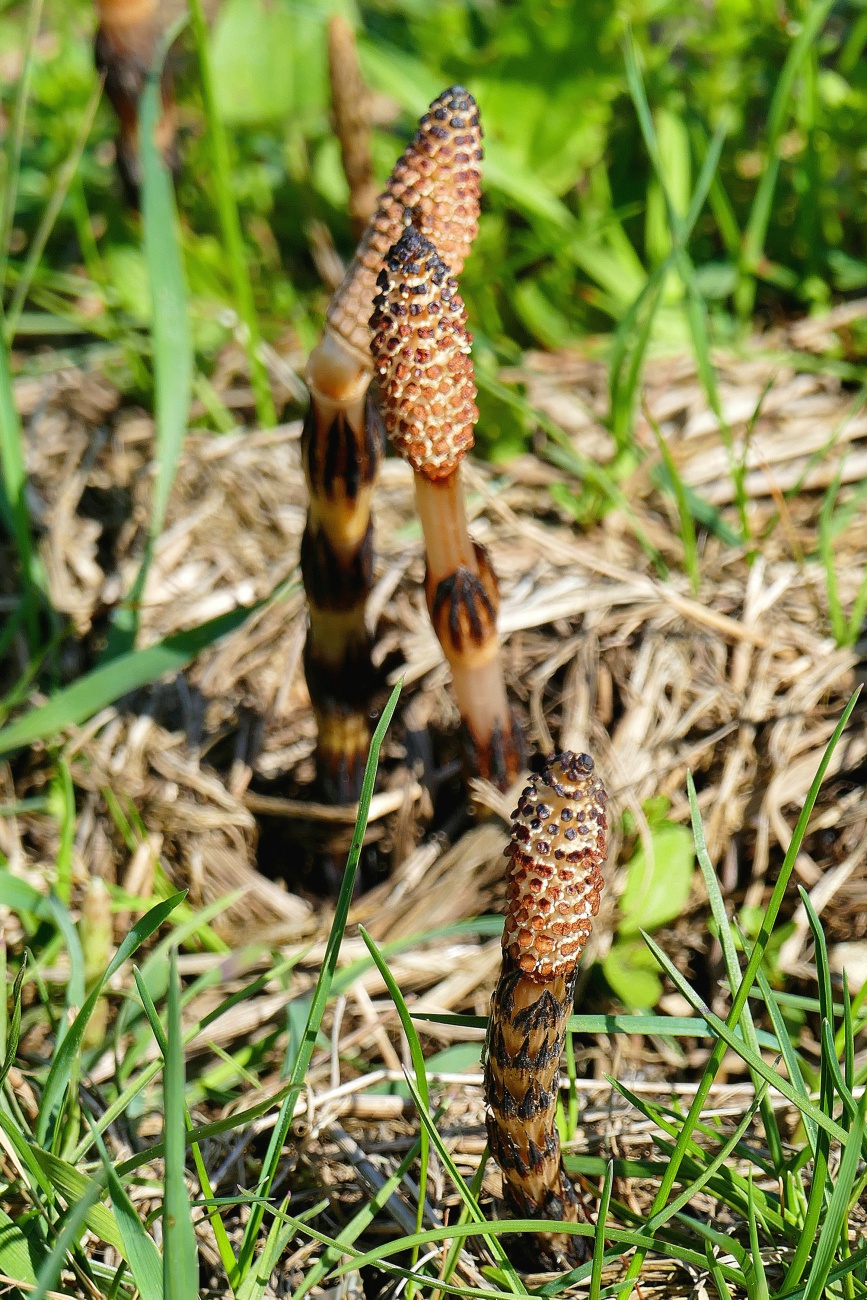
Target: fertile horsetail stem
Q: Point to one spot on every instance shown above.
(124, 48)
(556, 851)
(436, 184)
(421, 349)
(350, 106)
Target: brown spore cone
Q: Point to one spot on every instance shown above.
(556, 851)
(435, 187)
(421, 349)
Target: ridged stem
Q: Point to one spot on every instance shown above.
(554, 884)
(526, 1035)
(463, 599)
(341, 447)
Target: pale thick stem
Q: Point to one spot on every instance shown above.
(126, 13)
(480, 693)
(338, 383)
(444, 524)
(336, 371)
(477, 671)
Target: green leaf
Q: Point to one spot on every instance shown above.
(632, 973)
(170, 327)
(656, 892)
(75, 1188)
(180, 1253)
(139, 1248)
(78, 1216)
(16, 1259)
(15, 1025)
(171, 338)
(77, 703)
(61, 1065)
(253, 44)
(838, 1209)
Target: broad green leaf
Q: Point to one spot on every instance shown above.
(75, 1187)
(16, 1258)
(95, 690)
(254, 61)
(656, 892)
(632, 973)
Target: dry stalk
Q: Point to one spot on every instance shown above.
(350, 103)
(556, 851)
(124, 47)
(435, 184)
(421, 347)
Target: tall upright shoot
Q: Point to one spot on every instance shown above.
(126, 42)
(555, 882)
(436, 181)
(421, 347)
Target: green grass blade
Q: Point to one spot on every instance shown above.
(76, 1187)
(471, 1204)
(733, 974)
(599, 1235)
(839, 626)
(811, 23)
(727, 1035)
(14, 1033)
(848, 1030)
(61, 1066)
(498, 1228)
(230, 223)
(171, 337)
(768, 921)
(180, 1251)
(838, 1209)
(49, 217)
(255, 1284)
(418, 1064)
(139, 1247)
(15, 138)
(75, 704)
(687, 527)
(322, 990)
(13, 502)
(343, 1244)
(759, 1288)
(711, 1168)
(224, 1246)
(69, 1235)
(790, 1056)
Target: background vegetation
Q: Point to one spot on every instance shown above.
(578, 214)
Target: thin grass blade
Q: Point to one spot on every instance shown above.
(75, 704)
(61, 1066)
(180, 1251)
(322, 990)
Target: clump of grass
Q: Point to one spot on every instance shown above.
(790, 1241)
